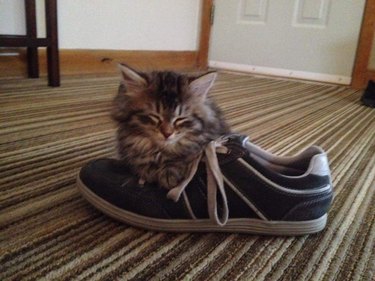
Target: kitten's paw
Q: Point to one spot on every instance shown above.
(169, 179)
(141, 182)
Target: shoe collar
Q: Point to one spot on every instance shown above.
(235, 144)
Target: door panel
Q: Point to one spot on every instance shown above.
(311, 13)
(253, 11)
(296, 38)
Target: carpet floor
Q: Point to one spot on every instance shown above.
(49, 232)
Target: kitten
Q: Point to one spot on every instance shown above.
(165, 119)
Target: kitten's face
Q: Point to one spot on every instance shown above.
(166, 124)
(162, 106)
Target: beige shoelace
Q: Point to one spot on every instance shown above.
(214, 181)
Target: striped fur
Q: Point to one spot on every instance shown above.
(48, 232)
(164, 123)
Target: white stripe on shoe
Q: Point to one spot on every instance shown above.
(188, 206)
(246, 200)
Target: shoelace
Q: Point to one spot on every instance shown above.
(215, 181)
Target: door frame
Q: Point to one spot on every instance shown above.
(361, 73)
(205, 33)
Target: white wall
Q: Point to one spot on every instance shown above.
(12, 17)
(114, 24)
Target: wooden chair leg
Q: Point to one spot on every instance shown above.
(53, 65)
(32, 52)
(32, 62)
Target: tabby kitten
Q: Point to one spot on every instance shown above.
(165, 119)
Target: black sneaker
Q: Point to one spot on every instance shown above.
(240, 188)
(368, 97)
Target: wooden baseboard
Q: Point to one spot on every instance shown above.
(279, 72)
(101, 61)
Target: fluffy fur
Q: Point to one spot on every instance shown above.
(165, 119)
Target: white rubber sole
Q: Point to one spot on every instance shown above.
(240, 225)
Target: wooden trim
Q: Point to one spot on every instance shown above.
(205, 32)
(281, 72)
(101, 61)
(371, 75)
(105, 61)
(360, 76)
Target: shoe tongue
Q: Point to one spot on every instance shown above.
(236, 145)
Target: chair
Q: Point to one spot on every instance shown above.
(32, 43)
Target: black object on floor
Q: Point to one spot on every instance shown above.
(368, 97)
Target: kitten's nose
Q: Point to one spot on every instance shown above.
(166, 130)
(167, 134)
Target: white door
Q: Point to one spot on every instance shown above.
(308, 39)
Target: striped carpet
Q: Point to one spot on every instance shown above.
(48, 232)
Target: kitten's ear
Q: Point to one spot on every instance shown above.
(202, 84)
(131, 79)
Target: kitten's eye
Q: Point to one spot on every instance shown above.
(155, 118)
(182, 122)
(149, 119)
